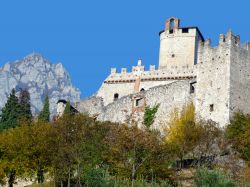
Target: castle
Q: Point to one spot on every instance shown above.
(216, 79)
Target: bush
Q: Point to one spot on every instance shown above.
(211, 178)
(95, 178)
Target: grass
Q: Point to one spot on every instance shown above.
(47, 184)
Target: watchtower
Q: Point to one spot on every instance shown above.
(178, 46)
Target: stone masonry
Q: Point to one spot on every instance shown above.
(216, 79)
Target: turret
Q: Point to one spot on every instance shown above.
(178, 45)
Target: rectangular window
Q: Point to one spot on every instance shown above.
(185, 30)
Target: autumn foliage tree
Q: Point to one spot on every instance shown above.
(135, 152)
(183, 133)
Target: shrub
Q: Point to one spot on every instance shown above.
(97, 178)
(149, 115)
(211, 178)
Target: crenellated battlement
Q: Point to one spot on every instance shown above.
(173, 72)
(228, 39)
(216, 77)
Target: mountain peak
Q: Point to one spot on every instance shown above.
(40, 77)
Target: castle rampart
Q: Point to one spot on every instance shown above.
(215, 78)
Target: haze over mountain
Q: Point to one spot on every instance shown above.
(39, 77)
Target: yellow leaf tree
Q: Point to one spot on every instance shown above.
(182, 132)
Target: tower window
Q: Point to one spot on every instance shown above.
(116, 96)
(142, 90)
(185, 30)
(192, 87)
(173, 55)
(211, 107)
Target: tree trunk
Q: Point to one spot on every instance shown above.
(69, 178)
(133, 175)
(40, 176)
(61, 183)
(78, 183)
(12, 177)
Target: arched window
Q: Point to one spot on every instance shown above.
(116, 96)
(171, 24)
(142, 90)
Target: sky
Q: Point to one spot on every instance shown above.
(90, 36)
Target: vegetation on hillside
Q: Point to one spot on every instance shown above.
(78, 150)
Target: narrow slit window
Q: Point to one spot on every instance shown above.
(116, 96)
(192, 87)
(211, 107)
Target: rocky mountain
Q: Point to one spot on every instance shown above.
(40, 77)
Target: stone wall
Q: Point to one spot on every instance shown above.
(212, 89)
(170, 96)
(178, 47)
(91, 105)
(223, 76)
(125, 83)
(219, 78)
(239, 80)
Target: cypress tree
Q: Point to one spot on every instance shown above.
(67, 110)
(25, 107)
(44, 115)
(10, 112)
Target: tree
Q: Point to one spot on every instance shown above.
(70, 150)
(11, 145)
(238, 134)
(44, 115)
(24, 102)
(26, 150)
(211, 139)
(135, 152)
(10, 112)
(36, 150)
(183, 133)
(67, 110)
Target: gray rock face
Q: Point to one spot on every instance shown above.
(40, 77)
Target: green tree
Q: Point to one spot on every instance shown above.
(67, 110)
(24, 102)
(69, 147)
(10, 112)
(11, 145)
(36, 149)
(26, 150)
(238, 134)
(44, 115)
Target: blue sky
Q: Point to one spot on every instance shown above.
(91, 36)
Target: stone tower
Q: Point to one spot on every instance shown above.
(178, 46)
